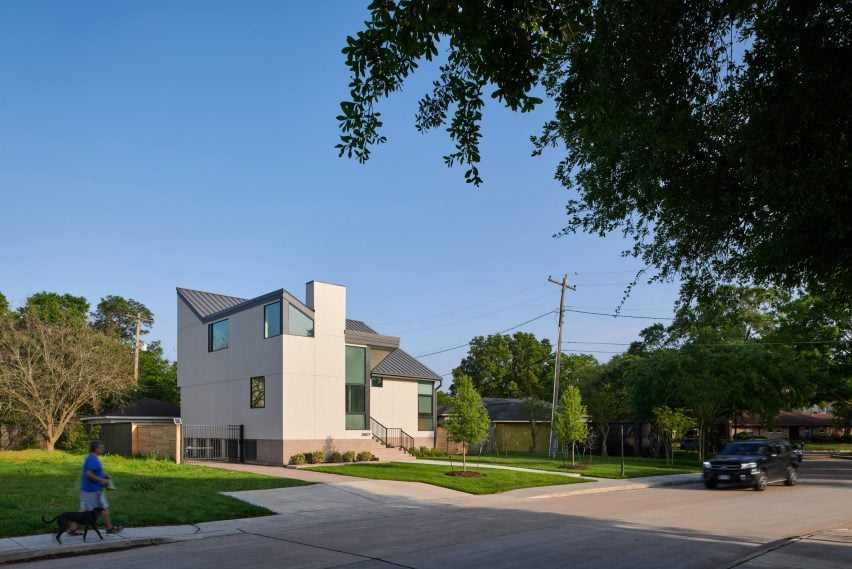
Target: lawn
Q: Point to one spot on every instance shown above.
(600, 467)
(838, 447)
(149, 492)
(494, 480)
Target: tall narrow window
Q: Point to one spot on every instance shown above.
(300, 325)
(272, 320)
(257, 397)
(217, 336)
(356, 388)
(425, 391)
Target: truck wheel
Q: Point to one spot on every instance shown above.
(792, 476)
(760, 484)
(710, 483)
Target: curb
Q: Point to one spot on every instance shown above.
(623, 487)
(83, 549)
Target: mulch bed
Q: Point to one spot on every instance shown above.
(575, 467)
(466, 474)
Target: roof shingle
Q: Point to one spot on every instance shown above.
(399, 363)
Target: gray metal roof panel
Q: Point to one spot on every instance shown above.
(206, 303)
(359, 326)
(400, 364)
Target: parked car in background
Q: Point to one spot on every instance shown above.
(690, 443)
(753, 463)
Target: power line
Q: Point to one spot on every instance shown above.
(474, 317)
(451, 348)
(461, 309)
(618, 315)
(755, 343)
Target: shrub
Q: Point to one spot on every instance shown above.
(77, 437)
(365, 456)
(317, 457)
(349, 456)
(297, 458)
(336, 457)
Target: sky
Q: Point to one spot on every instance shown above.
(151, 145)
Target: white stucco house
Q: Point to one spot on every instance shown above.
(298, 375)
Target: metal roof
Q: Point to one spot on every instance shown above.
(504, 409)
(206, 303)
(359, 326)
(400, 364)
(146, 407)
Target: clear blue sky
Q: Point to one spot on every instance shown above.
(149, 145)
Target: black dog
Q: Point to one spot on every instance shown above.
(87, 519)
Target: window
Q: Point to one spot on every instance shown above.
(377, 381)
(425, 393)
(217, 336)
(272, 320)
(300, 325)
(356, 388)
(257, 398)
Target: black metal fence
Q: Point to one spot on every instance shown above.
(214, 443)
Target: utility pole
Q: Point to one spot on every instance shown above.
(565, 286)
(136, 351)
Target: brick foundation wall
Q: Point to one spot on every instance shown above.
(162, 441)
(270, 451)
(445, 443)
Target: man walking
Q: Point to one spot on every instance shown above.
(93, 481)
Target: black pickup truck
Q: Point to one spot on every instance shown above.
(753, 463)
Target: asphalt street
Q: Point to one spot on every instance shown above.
(680, 526)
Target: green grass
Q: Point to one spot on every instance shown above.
(149, 492)
(494, 480)
(601, 466)
(828, 446)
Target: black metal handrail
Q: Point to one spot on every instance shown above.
(391, 437)
(380, 432)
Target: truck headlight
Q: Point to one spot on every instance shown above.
(748, 465)
(706, 465)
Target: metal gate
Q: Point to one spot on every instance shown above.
(213, 443)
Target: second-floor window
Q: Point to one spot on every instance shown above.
(272, 320)
(300, 324)
(217, 336)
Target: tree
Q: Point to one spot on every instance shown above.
(671, 424)
(714, 134)
(4, 304)
(469, 422)
(50, 370)
(157, 375)
(444, 398)
(605, 394)
(116, 317)
(537, 412)
(56, 308)
(570, 423)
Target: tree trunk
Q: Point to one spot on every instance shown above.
(464, 457)
(604, 437)
(572, 454)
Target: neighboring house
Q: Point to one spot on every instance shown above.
(148, 427)
(510, 426)
(299, 376)
(789, 425)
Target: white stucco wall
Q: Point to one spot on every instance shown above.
(395, 405)
(315, 371)
(215, 385)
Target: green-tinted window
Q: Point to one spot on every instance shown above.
(300, 324)
(425, 393)
(356, 364)
(257, 398)
(356, 387)
(217, 336)
(272, 320)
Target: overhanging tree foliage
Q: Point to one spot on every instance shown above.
(713, 133)
(116, 316)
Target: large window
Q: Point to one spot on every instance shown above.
(356, 388)
(217, 336)
(425, 391)
(272, 320)
(300, 325)
(257, 397)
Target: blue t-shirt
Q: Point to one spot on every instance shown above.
(94, 464)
